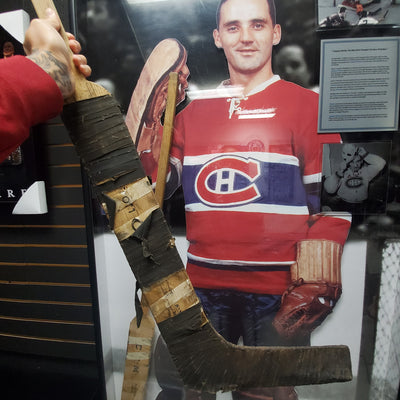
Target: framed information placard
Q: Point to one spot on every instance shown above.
(359, 84)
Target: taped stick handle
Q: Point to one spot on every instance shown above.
(166, 137)
(84, 89)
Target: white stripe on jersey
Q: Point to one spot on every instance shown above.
(346, 216)
(252, 208)
(314, 178)
(236, 262)
(260, 156)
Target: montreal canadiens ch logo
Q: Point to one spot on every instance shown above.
(228, 180)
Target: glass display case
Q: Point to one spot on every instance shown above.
(360, 175)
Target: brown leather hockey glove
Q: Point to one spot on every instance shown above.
(149, 98)
(304, 307)
(315, 289)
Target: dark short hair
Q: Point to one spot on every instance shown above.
(271, 4)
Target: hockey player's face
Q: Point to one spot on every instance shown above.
(247, 35)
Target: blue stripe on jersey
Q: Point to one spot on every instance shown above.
(233, 180)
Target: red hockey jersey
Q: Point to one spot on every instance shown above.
(251, 173)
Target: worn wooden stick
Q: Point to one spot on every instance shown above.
(138, 357)
(203, 358)
(166, 137)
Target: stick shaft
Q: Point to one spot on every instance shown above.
(138, 357)
(167, 137)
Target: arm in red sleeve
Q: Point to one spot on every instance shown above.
(333, 226)
(28, 96)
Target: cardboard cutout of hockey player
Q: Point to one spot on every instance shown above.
(250, 169)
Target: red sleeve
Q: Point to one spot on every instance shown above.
(327, 225)
(28, 96)
(333, 226)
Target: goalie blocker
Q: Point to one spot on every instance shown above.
(316, 287)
